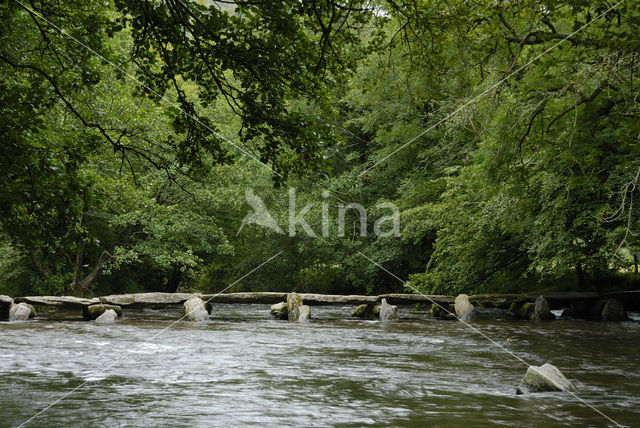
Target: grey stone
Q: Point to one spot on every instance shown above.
(279, 311)
(5, 305)
(464, 309)
(296, 310)
(143, 299)
(544, 378)
(94, 311)
(304, 313)
(367, 311)
(335, 299)
(21, 312)
(542, 310)
(270, 297)
(109, 316)
(388, 312)
(195, 309)
(62, 301)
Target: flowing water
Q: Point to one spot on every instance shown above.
(244, 368)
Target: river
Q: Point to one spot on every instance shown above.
(245, 368)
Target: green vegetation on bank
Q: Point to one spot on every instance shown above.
(512, 155)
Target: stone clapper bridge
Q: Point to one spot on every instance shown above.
(577, 304)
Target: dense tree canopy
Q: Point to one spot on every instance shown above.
(506, 133)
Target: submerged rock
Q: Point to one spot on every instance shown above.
(94, 311)
(367, 311)
(613, 311)
(107, 317)
(195, 309)
(438, 311)
(542, 310)
(464, 309)
(21, 312)
(522, 310)
(388, 312)
(296, 310)
(544, 378)
(279, 310)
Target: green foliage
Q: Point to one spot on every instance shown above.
(512, 155)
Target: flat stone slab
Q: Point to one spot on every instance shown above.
(412, 299)
(630, 299)
(556, 299)
(560, 299)
(500, 301)
(335, 299)
(268, 297)
(143, 299)
(60, 301)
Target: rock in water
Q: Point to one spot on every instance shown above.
(367, 311)
(542, 310)
(438, 311)
(388, 312)
(613, 311)
(279, 310)
(107, 317)
(195, 310)
(94, 311)
(522, 310)
(21, 312)
(296, 310)
(544, 378)
(464, 309)
(304, 313)
(5, 305)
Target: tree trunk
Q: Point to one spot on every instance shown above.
(173, 281)
(77, 266)
(582, 279)
(82, 287)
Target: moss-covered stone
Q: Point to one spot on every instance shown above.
(279, 311)
(523, 311)
(94, 311)
(296, 309)
(34, 313)
(367, 311)
(498, 301)
(438, 312)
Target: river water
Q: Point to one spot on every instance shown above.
(245, 368)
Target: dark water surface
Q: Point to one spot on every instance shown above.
(244, 368)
